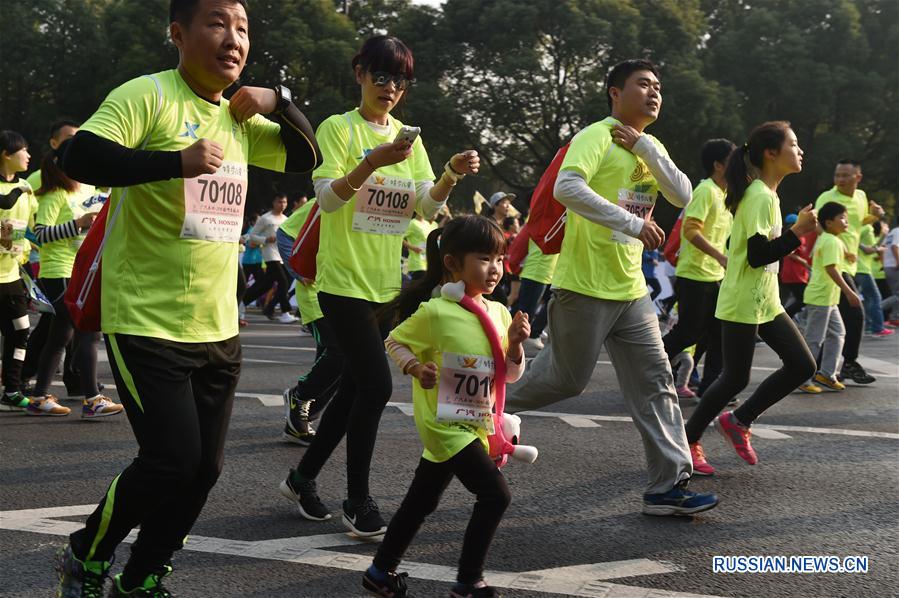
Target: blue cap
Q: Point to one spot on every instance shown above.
(791, 219)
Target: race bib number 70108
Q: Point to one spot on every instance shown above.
(214, 204)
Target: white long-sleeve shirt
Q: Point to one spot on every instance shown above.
(266, 227)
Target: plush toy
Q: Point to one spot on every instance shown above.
(507, 427)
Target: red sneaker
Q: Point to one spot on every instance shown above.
(738, 435)
(700, 465)
(884, 333)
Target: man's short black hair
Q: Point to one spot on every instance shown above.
(715, 150)
(829, 211)
(62, 123)
(620, 72)
(183, 11)
(851, 161)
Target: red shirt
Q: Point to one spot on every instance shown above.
(794, 272)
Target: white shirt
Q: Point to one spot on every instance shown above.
(266, 227)
(892, 238)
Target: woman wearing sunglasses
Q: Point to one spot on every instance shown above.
(369, 186)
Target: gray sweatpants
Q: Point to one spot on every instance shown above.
(578, 327)
(824, 326)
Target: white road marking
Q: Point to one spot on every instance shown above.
(295, 333)
(768, 434)
(883, 368)
(587, 580)
(267, 400)
(577, 421)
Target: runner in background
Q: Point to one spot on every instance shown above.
(536, 275)
(864, 280)
(250, 264)
(890, 304)
(880, 230)
(169, 143)
(18, 207)
(650, 262)
(368, 188)
(414, 243)
(264, 234)
(795, 272)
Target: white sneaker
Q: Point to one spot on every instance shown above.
(287, 318)
(533, 343)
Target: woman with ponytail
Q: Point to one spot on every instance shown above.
(748, 303)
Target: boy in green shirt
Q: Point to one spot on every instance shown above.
(824, 325)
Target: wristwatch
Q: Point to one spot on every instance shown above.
(284, 98)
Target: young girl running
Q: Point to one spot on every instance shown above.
(748, 303)
(430, 344)
(371, 182)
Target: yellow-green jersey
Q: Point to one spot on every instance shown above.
(34, 179)
(876, 261)
(15, 221)
(856, 210)
(306, 291)
(361, 244)
(417, 236)
(170, 261)
(446, 333)
(539, 266)
(58, 207)
(750, 295)
(708, 207)
(821, 289)
(595, 260)
(866, 260)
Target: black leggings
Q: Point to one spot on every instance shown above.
(274, 272)
(14, 325)
(480, 476)
(365, 388)
(738, 347)
(62, 331)
(655, 288)
(697, 324)
(321, 382)
(854, 322)
(791, 297)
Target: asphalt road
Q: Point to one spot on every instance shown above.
(827, 484)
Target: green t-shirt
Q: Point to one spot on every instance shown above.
(707, 206)
(876, 262)
(597, 261)
(19, 218)
(441, 326)
(750, 295)
(59, 207)
(539, 266)
(821, 289)
(306, 294)
(170, 262)
(360, 251)
(417, 236)
(34, 179)
(866, 260)
(856, 210)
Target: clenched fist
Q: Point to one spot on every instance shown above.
(203, 157)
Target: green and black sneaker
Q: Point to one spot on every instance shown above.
(151, 588)
(13, 402)
(80, 579)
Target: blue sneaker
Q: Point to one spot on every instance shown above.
(678, 501)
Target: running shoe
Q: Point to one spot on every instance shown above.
(738, 435)
(684, 392)
(100, 406)
(700, 465)
(288, 318)
(464, 590)
(79, 579)
(392, 586)
(828, 382)
(304, 494)
(13, 402)
(297, 428)
(855, 372)
(811, 389)
(885, 333)
(892, 323)
(363, 518)
(47, 405)
(151, 587)
(678, 501)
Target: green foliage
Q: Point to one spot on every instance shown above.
(514, 80)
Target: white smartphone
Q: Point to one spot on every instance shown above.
(410, 134)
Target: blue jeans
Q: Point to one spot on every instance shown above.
(871, 299)
(285, 247)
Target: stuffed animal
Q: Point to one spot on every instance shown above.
(507, 427)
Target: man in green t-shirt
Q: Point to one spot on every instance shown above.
(859, 211)
(609, 182)
(701, 263)
(176, 153)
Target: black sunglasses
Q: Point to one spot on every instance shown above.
(381, 78)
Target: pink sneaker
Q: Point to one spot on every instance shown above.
(700, 465)
(685, 393)
(884, 333)
(738, 435)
